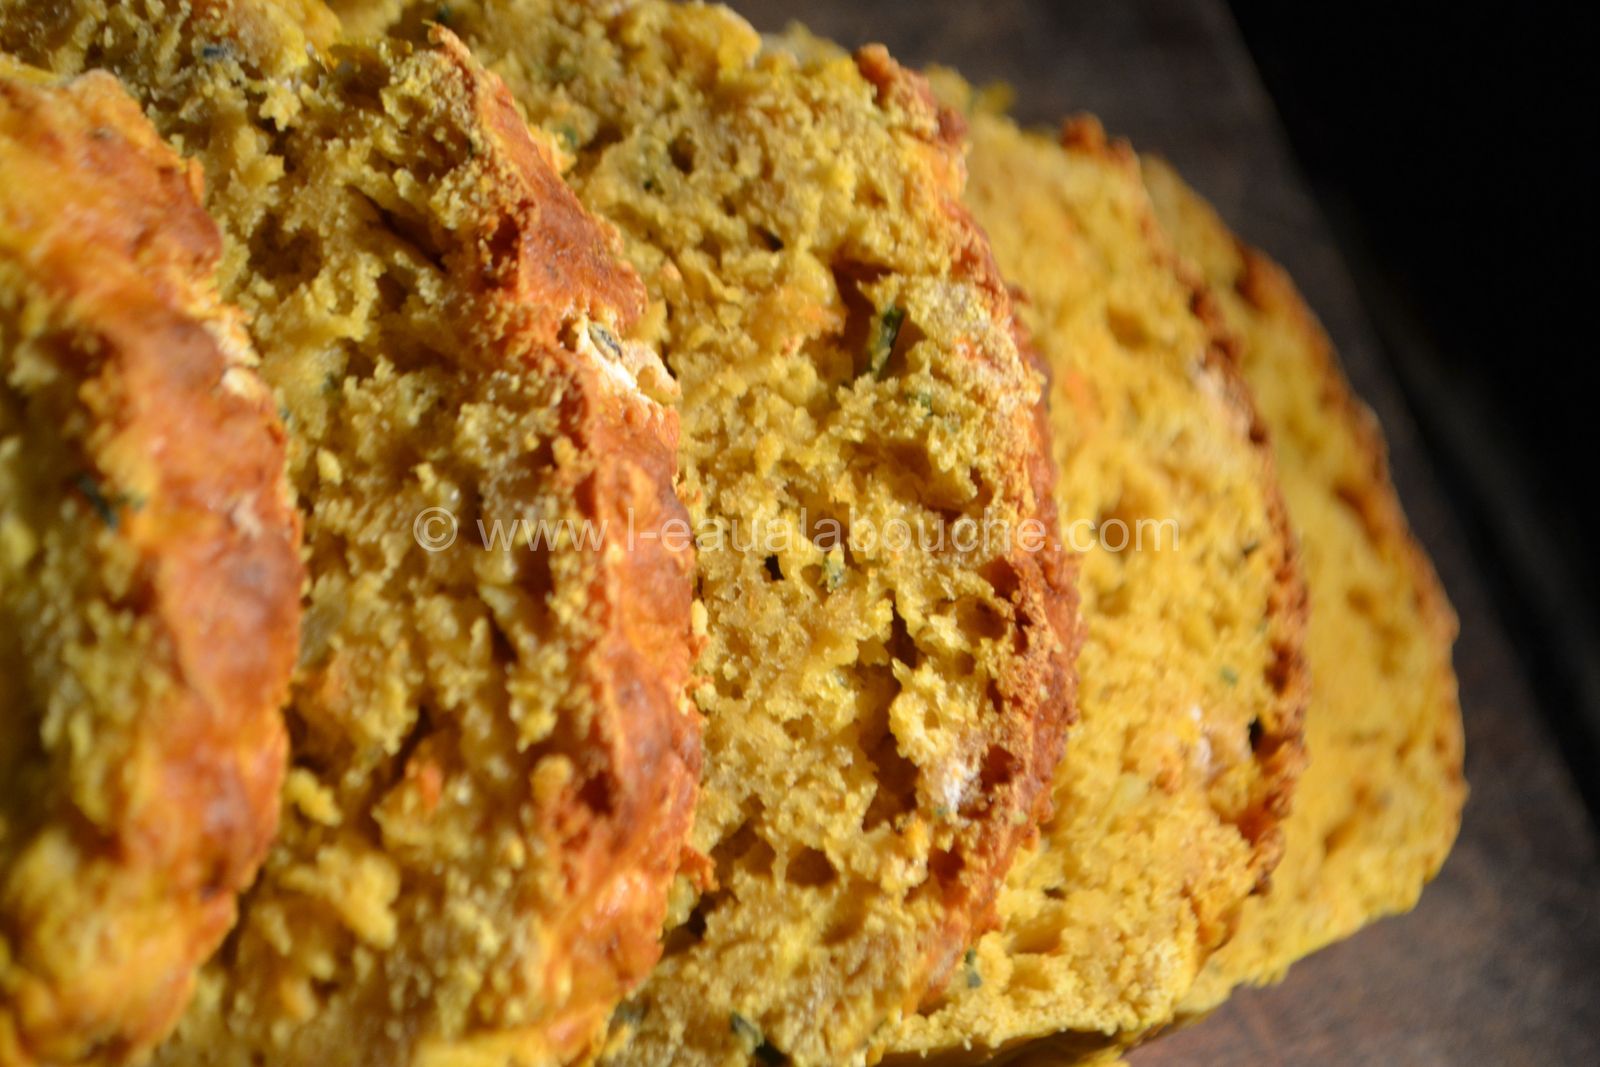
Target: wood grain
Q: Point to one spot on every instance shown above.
(1500, 964)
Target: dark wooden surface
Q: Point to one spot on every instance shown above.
(1500, 964)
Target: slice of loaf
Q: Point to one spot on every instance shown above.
(889, 622)
(149, 580)
(1381, 802)
(494, 762)
(1169, 805)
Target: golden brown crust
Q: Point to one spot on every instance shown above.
(1280, 745)
(619, 832)
(620, 850)
(102, 223)
(1038, 687)
(1058, 573)
(561, 268)
(1267, 288)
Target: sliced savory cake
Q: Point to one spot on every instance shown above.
(1168, 808)
(889, 621)
(493, 757)
(1379, 807)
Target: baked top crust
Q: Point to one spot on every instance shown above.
(149, 580)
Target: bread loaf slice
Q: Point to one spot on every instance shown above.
(1169, 804)
(1381, 802)
(889, 622)
(494, 762)
(149, 580)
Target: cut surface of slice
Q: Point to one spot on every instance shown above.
(889, 621)
(494, 761)
(1380, 804)
(149, 580)
(1169, 805)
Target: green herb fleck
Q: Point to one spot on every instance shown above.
(941, 811)
(744, 1028)
(213, 51)
(923, 401)
(1230, 675)
(1250, 548)
(883, 340)
(105, 507)
(91, 491)
(970, 961)
(628, 1013)
(833, 569)
(442, 14)
(765, 1051)
(561, 72)
(603, 338)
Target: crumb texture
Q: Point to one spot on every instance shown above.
(884, 709)
(1168, 805)
(1380, 804)
(149, 580)
(493, 761)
